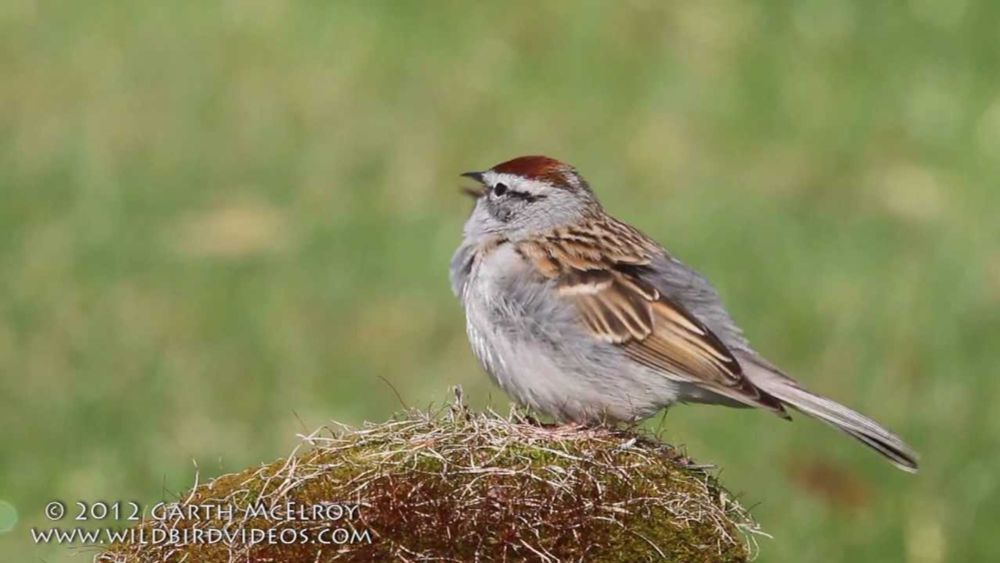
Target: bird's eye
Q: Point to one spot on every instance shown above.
(499, 189)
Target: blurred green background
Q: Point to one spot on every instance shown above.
(222, 223)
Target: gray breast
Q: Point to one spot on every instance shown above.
(534, 346)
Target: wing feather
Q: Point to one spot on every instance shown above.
(599, 268)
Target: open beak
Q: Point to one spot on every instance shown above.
(477, 191)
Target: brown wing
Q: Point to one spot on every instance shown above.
(598, 267)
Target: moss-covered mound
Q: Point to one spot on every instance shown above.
(454, 486)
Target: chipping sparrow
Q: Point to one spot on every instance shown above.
(580, 316)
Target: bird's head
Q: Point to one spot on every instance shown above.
(526, 195)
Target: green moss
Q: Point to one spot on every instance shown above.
(464, 486)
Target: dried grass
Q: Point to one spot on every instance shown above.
(461, 486)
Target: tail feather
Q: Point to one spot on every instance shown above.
(855, 424)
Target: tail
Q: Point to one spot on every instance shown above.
(855, 424)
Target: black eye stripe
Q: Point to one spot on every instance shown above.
(501, 189)
(530, 198)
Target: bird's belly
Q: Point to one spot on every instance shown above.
(541, 357)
